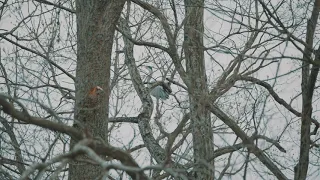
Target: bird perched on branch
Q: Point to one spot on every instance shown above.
(161, 91)
(94, 96)
(87, 107)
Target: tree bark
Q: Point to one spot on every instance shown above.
(198, 90)
(96, 22)
(307, 88)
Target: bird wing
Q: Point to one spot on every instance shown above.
(159, 92)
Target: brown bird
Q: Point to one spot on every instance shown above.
(94, 96)
(88, 106)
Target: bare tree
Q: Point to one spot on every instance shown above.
(196, 81)
(96, 22)
(75, 102)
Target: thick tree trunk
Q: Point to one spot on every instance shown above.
(96, 21)
(198, 90)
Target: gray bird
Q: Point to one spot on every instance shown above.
(161, 91)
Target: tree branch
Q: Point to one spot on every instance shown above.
(56, 5)
(248, 142)
(278, 99)
(97, 146)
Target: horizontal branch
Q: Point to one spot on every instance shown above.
(123, 119)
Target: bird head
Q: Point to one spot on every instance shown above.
(94, 97)
(95, 91)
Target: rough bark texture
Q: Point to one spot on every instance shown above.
(96, 21)
(195, 66)
(307, 87)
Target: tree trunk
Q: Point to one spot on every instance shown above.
(96, 21)
(308, 83)
(198, 90)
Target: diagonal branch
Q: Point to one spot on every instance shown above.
(173, 52)
(271, 91)
(39, 54)
(157, 152)
(96, 145)
(56, 5)
(248, 142)
(25, 117)
(142, 43)
(278, 99)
